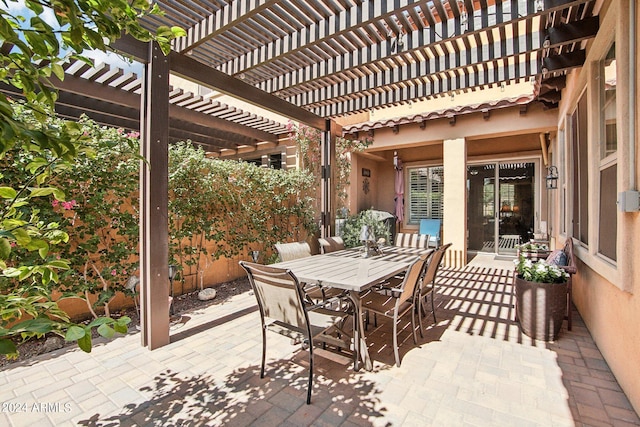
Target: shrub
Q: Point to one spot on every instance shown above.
(353, 225)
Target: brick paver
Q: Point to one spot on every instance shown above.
(473, 367)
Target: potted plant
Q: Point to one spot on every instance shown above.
(541, 297)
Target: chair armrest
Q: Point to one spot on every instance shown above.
(571, 269)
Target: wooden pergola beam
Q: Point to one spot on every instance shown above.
(98, 91)
(154, 195)
(193, 70)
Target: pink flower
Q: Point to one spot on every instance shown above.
(114, 272)
(120, 131)
(65, 205)
(12, 244)
(54, 203)
(133, 134)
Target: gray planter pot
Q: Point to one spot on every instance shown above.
(540, 308)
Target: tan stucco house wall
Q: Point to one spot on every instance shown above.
(604, 291)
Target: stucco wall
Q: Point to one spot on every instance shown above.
(606, 294)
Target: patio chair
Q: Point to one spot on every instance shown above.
(568, 264)
(331, 244)
(291, 251)
(428, 283)
(431, 226)
(412, 240)
(396, 302)
(296, 250)
(284, 310)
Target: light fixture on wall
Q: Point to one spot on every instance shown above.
(552, 178)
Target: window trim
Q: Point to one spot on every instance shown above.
(407, 188)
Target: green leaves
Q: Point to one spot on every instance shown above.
(8, 193)
(105, 326)
(74, 333)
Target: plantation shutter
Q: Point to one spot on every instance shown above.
(426, 186)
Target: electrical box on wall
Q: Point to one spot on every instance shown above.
(629, 201)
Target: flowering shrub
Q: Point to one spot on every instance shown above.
(79, 235)
(353, 226)
(540, 271)
(222, 208)
(31, 240)
(308, 139)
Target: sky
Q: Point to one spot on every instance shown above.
(18, 8)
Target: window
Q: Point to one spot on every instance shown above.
(608, 117)
(426, 187)
(608, 224)
(580, 188)
(273, 161)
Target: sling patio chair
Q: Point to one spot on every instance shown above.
(331, 244)
(397, 301)
(291, 251)
(296, 250)
(412, 240)
(284, 310)
(428, 283)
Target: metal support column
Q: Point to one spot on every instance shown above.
(329, 171)
(154, 225)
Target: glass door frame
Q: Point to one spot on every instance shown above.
(537, 192)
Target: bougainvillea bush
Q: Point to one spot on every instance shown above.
(90, 215)
(308, 141)
(224, 208)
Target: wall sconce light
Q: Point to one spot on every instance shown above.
(539, 4)
(552, 178)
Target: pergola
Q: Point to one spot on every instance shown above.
(311, 61)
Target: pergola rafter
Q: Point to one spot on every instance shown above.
(336, 58)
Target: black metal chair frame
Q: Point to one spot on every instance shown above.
(284, 309)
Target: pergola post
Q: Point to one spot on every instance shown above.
(328, 171)
(154, 225)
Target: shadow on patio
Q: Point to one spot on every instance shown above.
(473, 366)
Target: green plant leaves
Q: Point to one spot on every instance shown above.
(106, 331)
(5, 248)
(8, 193)
(85, 343)
(74, 333)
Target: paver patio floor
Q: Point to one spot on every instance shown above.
(473, 367)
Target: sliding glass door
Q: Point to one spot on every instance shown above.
(500, 206)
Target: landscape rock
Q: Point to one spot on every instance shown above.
(53, 342)
(207, 294)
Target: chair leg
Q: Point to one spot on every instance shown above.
(395, 339)
(433, 304)
(413, 326)
(419, 310)
(310, 385)
(569, 298)
(356, 344)
(264, 351)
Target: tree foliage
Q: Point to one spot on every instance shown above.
(223, 208)
(308, 139)
(33, 52)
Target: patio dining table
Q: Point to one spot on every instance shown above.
(349, 270)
